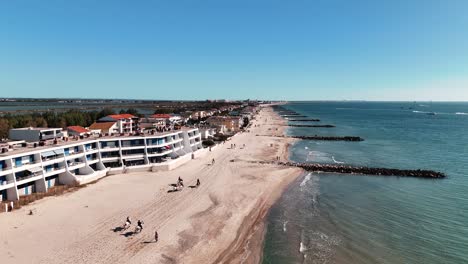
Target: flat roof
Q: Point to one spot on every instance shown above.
(72, 142)
(36, 128)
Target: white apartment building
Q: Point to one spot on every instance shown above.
(36, 169)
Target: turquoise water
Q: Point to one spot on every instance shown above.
(331, 218)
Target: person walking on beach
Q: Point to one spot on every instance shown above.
(156, 236)
(213, 162)
(198, 182)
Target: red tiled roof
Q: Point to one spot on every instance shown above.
(161, 116)
(122, 116)
(102, 125)
(78, 129)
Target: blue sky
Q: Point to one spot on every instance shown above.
(235, 49)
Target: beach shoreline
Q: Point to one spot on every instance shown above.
(223, 220)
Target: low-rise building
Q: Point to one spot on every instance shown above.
(35, 134)
(230, 123)
(153, 122)
(126, 123)
(78, 131)
(104, 128)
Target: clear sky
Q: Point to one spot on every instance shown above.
(235, 49)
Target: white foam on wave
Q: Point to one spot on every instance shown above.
(302, 247)
(461, 113)
(284, 226)
(305, 180)
(338, 162)
(306, 147)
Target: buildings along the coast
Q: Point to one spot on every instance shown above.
(26, 168)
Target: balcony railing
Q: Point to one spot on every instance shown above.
(27, 177)
(6, 182)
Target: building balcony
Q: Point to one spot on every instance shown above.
(110, 148)
(54, 171)
(91, 150)
(7, 184)
(27, 179)
(5, 171)
(93, 161)
(74, 156)
(111, 159)
(75, 165)
(159, 153)
(133, 147)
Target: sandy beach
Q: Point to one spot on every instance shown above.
(221, 221)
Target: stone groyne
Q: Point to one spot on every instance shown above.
(304, 120)
(295, 116)
(366, 170)
(326, 138)
(348, 169)
(290, 125)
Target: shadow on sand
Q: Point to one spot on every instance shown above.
(117, 229)
(127, 234)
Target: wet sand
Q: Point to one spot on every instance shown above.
(221, 221)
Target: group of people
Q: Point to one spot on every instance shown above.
(180, 183)
(138, 228)
(128, 223)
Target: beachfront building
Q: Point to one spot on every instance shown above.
(105, 128)
(231, 124)
(126, 123)
(156, 121)
(35, 134)
(78, 131)
(31, 169)
(207, 132)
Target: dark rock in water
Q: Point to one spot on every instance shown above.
(316, 137)
(298, 115)
(311, 125)
(304, 120)
(365, 170)
(345, 138)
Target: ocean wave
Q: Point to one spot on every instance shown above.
(338, 162)
(306, 179)
(306, 147)
(461, 113)
(302, 247)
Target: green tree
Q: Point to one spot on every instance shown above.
(105, 112)
(4, 127)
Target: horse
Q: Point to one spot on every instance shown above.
(138, 229)
(126, 225)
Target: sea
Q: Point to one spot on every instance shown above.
(339, 218)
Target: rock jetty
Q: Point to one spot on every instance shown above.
(304, 120)
(295, 116)
(331, 138)
(348, 169)
(316, 137)
(366, 170)
(291, 125)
